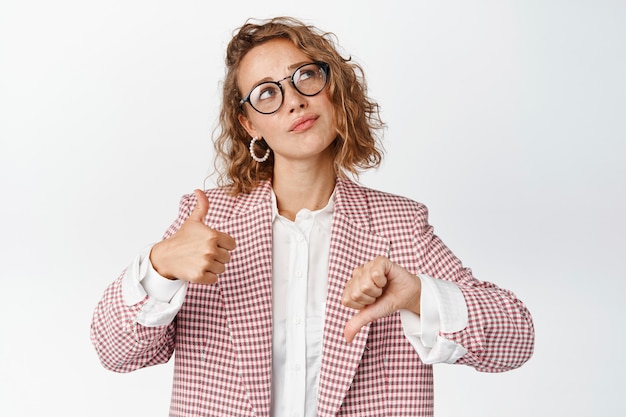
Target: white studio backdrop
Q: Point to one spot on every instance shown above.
(506, 118)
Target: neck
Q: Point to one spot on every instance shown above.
(304, 187)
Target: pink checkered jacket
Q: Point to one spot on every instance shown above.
(223, 333)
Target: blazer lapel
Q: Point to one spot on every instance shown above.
(247, 293)
(352, 245)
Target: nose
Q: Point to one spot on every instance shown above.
(292, 98)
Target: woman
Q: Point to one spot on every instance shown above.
(290, 289)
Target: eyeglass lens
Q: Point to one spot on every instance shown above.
(308, 80)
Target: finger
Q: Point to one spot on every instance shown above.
(381, 308)
(208, 278)
(369, 289)
(354, 325)
(202, 207)
(226, 241)
(379, 276)
(222, 255)
(216, 268)
(380, 270)
(357, 301)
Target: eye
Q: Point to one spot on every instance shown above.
(267, 91)
(306, 73)
(309, 77)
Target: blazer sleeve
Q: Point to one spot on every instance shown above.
(500, 334)
(121, 342)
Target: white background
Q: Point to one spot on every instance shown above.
(506, 118)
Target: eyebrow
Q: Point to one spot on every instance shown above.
(291, 68)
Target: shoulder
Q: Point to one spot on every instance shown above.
(223, 203)
(381, 210)
(217, 197)
(392, 210)
(378, 200)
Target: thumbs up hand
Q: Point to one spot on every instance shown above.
(195, 253)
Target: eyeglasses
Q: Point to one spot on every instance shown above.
(308, 80)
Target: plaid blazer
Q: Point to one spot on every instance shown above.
(222, 335)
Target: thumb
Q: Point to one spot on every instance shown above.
(354, 325)
(379, 309)
(202, 207)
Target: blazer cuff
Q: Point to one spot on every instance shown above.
(163, 297)
(443, 310)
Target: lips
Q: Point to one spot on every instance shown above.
(303, 123)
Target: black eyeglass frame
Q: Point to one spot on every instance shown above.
(323, 66)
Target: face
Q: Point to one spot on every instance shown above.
(303, 129)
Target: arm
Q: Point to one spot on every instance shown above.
(122, 343)
(131, 329)
(476, 323)
(499, 335)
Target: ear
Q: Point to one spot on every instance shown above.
(249, 126)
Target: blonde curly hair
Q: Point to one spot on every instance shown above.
(357, 145)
